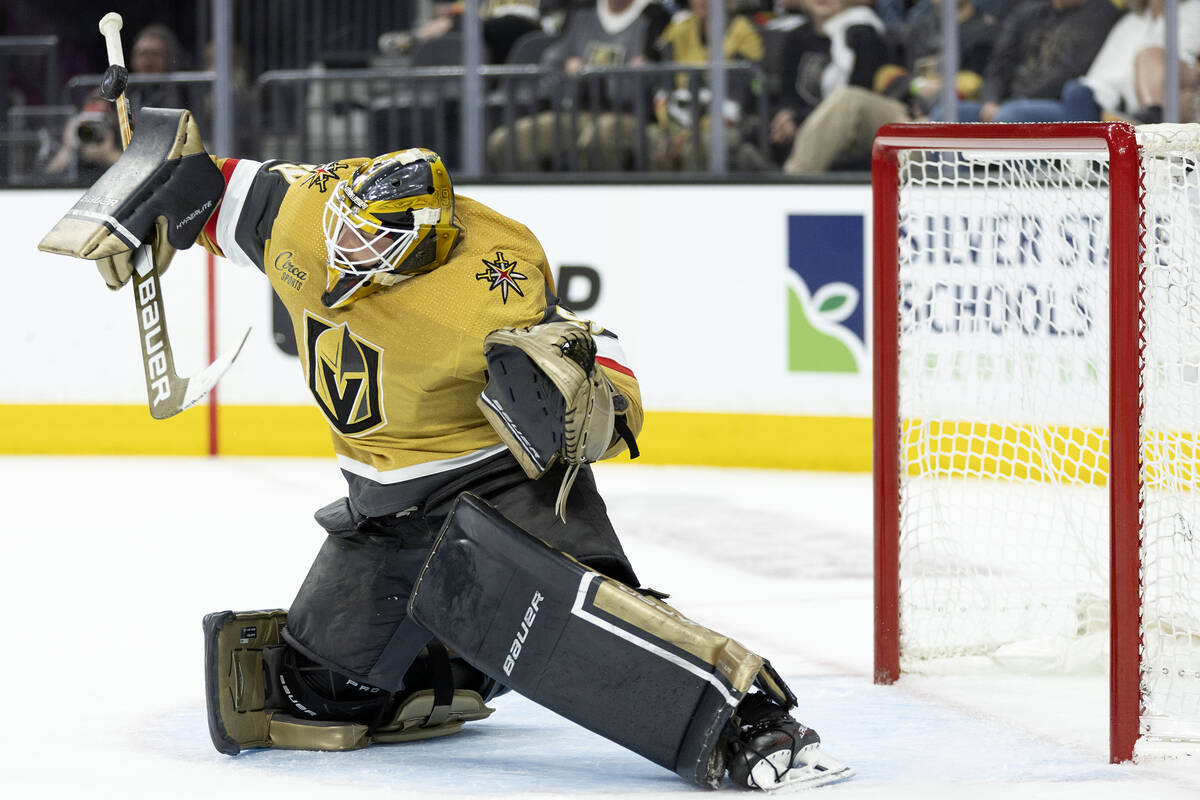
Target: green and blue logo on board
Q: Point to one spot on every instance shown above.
(826, 318)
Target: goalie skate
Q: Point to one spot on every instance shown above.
(772, 752)
(811, 766)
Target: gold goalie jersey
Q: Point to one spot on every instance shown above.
(396, 373)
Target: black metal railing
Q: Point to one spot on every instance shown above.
(612, 120)
(534, 123)
(293, 34)
(29, 67)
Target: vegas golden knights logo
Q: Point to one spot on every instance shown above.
(343, 376)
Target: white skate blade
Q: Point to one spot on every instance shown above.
(810, 768)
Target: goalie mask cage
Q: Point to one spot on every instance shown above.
(1037, 409)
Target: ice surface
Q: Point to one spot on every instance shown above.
(110, 563)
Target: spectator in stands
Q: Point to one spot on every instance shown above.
(1111, 76)
(685, 41)
(788, 15)
(893, 12)
(1149, 73)
(840, 44)
(840, 103)
(90, 142)
(504, 22)
(595, 126)
(1109, 90)
(1041, 45)
(1149, 70)
(900, 13)
(917, 78)
(840, 131)
(156, 50)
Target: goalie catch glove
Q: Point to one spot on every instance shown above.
(116, 270)
(160, 192)
(548, 400)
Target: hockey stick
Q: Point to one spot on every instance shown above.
(166, 391)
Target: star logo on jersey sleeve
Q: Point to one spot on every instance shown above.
(320, 175)
(315, 176)
(501, 274)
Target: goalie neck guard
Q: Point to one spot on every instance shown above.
(390, 220)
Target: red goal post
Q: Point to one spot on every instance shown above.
(931, 186)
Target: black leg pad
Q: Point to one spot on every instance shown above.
(617, 662)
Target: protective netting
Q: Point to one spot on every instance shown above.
(1003, 398)
(1170, 539)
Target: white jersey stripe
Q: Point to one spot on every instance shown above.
(231, 209)
(403, 474)
(610, 347)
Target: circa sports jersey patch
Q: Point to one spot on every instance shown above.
(344, 376)
(287, 271)
(501, 274)
(311, 175)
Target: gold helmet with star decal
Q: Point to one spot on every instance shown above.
(391, 219)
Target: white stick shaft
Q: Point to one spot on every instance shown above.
(110, 28)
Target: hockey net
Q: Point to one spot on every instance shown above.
(1037, 410)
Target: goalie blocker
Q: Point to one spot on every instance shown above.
(161, 191)
(615, 661)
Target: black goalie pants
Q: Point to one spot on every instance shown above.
(349, 614)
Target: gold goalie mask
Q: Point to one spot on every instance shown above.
(392, 219)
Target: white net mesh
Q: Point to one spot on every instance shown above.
(1003, 398)
(1170, 547)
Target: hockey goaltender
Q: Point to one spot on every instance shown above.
(473, 554)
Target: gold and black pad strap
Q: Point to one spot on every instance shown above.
(412, 721)
(443, 685)
(617, 662)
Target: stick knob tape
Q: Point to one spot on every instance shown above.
(110, 28)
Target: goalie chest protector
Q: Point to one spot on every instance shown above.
(619, 663)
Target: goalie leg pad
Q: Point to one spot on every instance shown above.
(619, 663)
(253, 700)
(349, 613)
(236, 691)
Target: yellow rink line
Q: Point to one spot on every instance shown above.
(668, 437)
